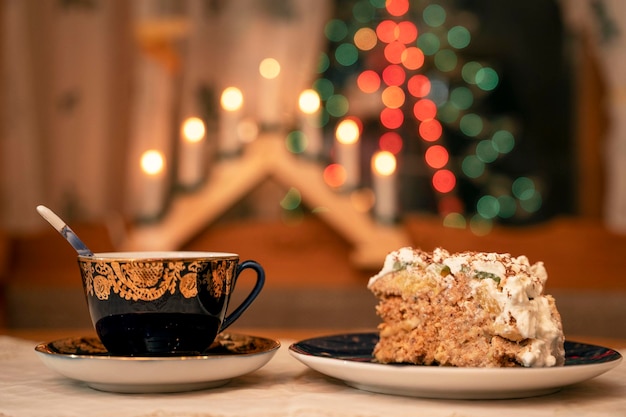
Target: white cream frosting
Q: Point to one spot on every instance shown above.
(516, 286)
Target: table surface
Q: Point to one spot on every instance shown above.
(283, 387)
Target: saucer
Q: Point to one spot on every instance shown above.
(348, 357)
(85, 359)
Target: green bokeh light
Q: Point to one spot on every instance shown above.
(429, 43)
(459, 37)
(485, 151)
(363, 11)
(469, 72)
(380, 4)
(533, 203)
(324, 88)
(488, 206)
(337, 105)
(291, 200)
(507, 206)
(503, 141)
(487, 79)
(323, 64)
(434, 15)
(336, 30)
(471, 124)
(448, 113)
(346, 54)
(296, 141)
(462, 98)
(446, 60)
(523, 188)
(472, 167)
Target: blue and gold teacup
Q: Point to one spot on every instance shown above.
(163, 303)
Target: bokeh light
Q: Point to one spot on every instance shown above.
(365, 39)
(472, 167)
(391, 142)
(391, 118)
(397, 7)
(487, 79)
(368, 81)
(444, 181)
(291, 200)
(384, 163)
(386, 31)
(446, 60)
(193, 129)
(393, 52)
(412, 58)
(429, 43)
(152, 162)
(296, 141)
(418, 85)
(424, 109)
(269, 68)
(393, 97)
(430, 130)
(336, 30)
(459, 37)
(334, 175)
(347, 131)
(231, 99)
(394, 75)
(471, 124)
(436, 156)
(346, 54)
(337, 105)
(503, 141)
(406, 32)
(434, 15)
(309, 101)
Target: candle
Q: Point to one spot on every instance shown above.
(191, 158)
(231, 104)
(269, 94)
(152, 192)
(347, 151)
(384, 185)
(309, 103)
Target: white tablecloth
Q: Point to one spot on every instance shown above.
(283, 387)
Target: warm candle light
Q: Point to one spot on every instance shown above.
(152, 164)
(231, 99)
(347, 151)
(269, 68)
(231, 104)
(191, 160)
(384, 168)
(309, 103)
(193, 130)
(269, 94)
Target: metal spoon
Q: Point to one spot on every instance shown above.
(65, 231)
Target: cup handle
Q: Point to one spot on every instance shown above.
(260, 280)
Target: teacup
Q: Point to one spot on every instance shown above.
(163, 303)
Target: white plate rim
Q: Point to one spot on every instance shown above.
(451, 382)
(155, 374)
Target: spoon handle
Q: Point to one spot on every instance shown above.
(65, 230)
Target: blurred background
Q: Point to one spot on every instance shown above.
(314, 137)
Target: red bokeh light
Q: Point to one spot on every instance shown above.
(391, 118)
(444, 181)
(424, 109)
(390, 142)
(394, 75)
(450, 204)
(393, 52)
(418, 85)
(386, 31)
(436, 156)
(430, 130)
(406, 32)
(397, 7)
(368, 81)
(334, 175)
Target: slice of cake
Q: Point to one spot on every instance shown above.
(465, 309)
